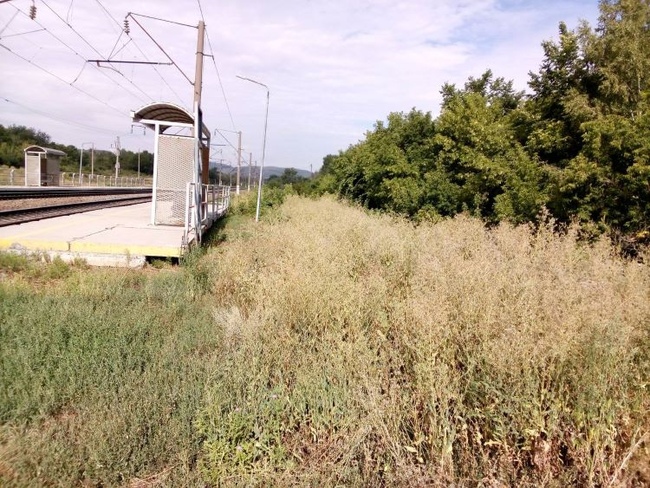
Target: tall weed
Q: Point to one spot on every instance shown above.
(360, 349)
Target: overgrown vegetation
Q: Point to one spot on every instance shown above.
(578, 144)
(327, 346)
(360, 350)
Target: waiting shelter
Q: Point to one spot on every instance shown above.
(181, 160)
(42, 166)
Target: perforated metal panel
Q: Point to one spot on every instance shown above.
(174, 170)
(32, 170)
(53, 171)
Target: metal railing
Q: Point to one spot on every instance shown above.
(16, 177)
(83, 179)
(203, 205)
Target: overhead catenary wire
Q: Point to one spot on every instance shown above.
(226, 139)
(77, 54)
(115, 45)
(103, 102)
(60, 119)
(8, 23)
(67, 17)
(95, 50)
(140, 50)
(163, 20)
(201, 10)
(216, 68)
(223, 91)
(23, 33)
(132, 15)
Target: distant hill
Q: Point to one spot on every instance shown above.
(268, 171)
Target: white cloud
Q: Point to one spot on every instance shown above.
(333, 67)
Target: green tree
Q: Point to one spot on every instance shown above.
(486, 167)
(587, 117)
(15, 138)
(623, 50)
(563, 97)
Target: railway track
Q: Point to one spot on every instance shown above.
(28, 214)
(19, 193)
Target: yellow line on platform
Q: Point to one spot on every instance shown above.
(91, 248)
(33, 244)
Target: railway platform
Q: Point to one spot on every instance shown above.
(118, 236)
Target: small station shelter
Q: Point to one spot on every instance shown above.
(42, 166)
(181, 161)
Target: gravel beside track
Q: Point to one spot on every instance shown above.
(30, 213)
(48, 202)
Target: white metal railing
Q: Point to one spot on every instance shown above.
(203, 205)
(84, 179)
(15, 177)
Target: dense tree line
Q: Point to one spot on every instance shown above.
(577, 145)
(15, 138)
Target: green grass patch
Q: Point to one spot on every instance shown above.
(101, 376)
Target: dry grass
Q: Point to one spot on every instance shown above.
(327, 346)
(359, 349)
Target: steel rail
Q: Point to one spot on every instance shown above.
(22, 215)
(54, 192)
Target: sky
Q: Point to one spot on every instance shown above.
(333, 67)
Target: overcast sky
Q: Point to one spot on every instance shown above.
(333, 67)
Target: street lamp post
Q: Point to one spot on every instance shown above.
(266, 122)
(81, 159)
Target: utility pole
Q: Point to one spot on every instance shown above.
(81, 160)
(198, 74)
(92, 161)
(250, 162)
(118, 148)
(238, 159)
(202, 153)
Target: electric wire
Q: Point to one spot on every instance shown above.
(24, 33)
(110, 55)
(135, 44)
(124, 46)
(67, 17)
(62, 80)
(163, 20)
(223, 91)
(201, 10)
(8, 23)
(78, 55)
(53, 117)
(131, 14)
(226, 139)
(95, 50)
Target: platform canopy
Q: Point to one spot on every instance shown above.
(48, 151)
(166, 115)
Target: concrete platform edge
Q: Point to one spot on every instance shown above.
(92, 259)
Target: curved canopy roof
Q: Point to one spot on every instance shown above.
(163, 112)
(47, 150)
